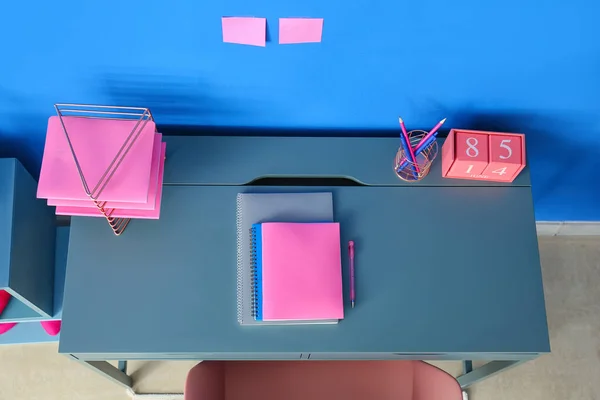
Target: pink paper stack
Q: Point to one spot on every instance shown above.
(125, 182)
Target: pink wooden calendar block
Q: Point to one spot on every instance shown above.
(469, 154)
(507, 156)
(479, 155)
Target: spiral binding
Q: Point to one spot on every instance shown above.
(254, 275)
(240, 262)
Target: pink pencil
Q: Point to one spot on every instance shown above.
(410, 148)
(351, 259)
(432, 132)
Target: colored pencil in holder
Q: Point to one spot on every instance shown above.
(410, 155)
(419, 149)
(405, 145)
(424, 142)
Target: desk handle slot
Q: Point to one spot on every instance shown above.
(304, 181)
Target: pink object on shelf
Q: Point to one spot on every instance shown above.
(96, 142)
(244, 30)
(150, 204)
(7, 326)
(301, 271)
(497, 156)
(155, 191)
(300, 30)
(4, 299)
(52, 328)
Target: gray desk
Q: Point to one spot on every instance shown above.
(446, 269)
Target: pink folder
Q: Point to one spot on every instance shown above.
(301, 271)
(148, 205)
(96, 142)
(155, 191)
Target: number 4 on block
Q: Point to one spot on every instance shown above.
(506, 157)
(490, 156)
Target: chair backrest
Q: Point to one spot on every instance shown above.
(315, 380)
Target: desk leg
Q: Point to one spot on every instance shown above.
(467, 366)
(485, 371)
(108, 371)
(123, 366)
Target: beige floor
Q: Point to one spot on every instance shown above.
(571, 268)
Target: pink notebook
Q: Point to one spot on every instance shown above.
(301, 271)
(96, 142)
(155, 192)
(148, 205)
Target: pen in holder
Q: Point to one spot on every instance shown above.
(424, 155)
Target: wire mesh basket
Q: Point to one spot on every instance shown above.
(413, 172)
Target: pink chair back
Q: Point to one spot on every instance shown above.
(315, 380)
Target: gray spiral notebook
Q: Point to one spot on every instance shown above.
(254, 208)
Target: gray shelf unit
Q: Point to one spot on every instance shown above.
(30, 330)
(27, 246)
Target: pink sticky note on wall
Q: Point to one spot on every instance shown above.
(300, 30)
(244, 30)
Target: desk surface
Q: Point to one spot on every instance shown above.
(442, 272)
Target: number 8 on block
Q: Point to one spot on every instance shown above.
(471, 154)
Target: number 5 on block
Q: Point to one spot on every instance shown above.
(506, 157)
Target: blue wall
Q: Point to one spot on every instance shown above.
(514, 65)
